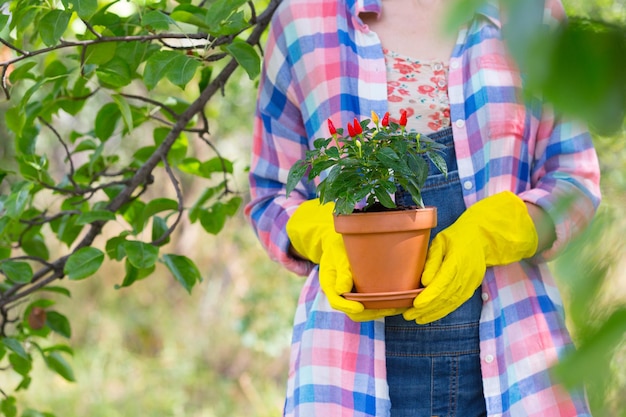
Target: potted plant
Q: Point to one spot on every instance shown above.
(386, 243)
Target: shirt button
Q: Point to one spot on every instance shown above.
(489, 358)
(438, 66)
(484, 296)
(441, 83)
(455, 64)
(460, 123)
(468, 185)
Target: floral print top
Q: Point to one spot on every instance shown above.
(420, 88)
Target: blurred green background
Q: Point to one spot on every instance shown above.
(153, 350)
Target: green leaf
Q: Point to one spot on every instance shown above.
(116, 73)
(124, 109)
(178, 151)
(93, 216)
(100, 53)
(15, 204)
(206, 74)
(581, 365)
(438, 161)
(53, 25)
(183, 269)
(15, 346)
(133, 214)
(18, 272)
(296, 173)
(246, 56)
(59, 324)
(182, 70)
(206, 169)
(212, 220)
(35, 168)
(159, 228)
(35, 245)
(21, 365)
(86, 145)
(115, 248)
(106, 120)
(223, 18)
(5, 252)
(142, 154)
(22, 72)
(134, 54)
(25, 382)
(134, 274)
(141, 255)
(156, 20)
(66, 229)
(384, 198)
(232, 205)
(416, 194)
(387, 156)
(188, 13)
(8, 407)
(158, 205)
(42, 302)
(220, 10)
(85, 8)
(29, 412)
(59, 348)
(83, 263)
(4, 19)
(57, 290)
(58, 364)
(158, 66)
(154, 206)
(235, 24)
(419, 167)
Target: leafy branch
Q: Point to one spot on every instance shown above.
(119, 65)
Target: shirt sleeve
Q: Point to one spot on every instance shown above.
(279, 140)
(565, 177)
(566, 174)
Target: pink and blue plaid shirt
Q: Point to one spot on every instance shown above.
(321, 62)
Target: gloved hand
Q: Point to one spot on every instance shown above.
(495, 231)
(312, 234)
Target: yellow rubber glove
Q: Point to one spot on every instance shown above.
(495, 231)
(312, 234)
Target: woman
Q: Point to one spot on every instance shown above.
(482, 335)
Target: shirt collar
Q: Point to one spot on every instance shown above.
(364, 6)
(491, 10)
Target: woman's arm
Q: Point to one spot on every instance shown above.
(546, 234)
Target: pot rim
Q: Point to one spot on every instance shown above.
(386, 221)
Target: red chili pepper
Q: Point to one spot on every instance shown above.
(403, 119)
(331, 128)
(385, 121)
(351, 131)
(357, 127)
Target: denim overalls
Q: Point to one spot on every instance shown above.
(434, 369)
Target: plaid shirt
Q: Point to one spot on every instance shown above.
(321, 62)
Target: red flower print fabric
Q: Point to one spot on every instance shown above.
(421, 89)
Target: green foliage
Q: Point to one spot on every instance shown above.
(598, 324)
(368, 163)
(101, 106)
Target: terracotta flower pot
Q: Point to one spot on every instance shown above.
(387, 250)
